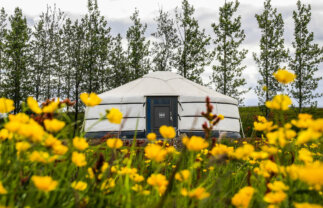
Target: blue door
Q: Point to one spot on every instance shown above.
(161, 111)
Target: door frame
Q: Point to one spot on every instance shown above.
(173, 105)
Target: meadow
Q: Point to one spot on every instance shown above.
(43, 165)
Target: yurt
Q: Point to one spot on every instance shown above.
(161, 98)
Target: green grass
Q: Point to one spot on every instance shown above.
(249, 115)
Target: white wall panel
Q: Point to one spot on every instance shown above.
(228, 110)
(128, 110)
(195, 123)
(105, 125)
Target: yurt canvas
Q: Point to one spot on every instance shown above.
(162, 98)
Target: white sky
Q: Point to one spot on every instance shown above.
(118, 12)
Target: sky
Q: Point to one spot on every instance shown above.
(118, 12)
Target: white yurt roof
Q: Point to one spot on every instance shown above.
(162, 83)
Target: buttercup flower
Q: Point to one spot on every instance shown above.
(90, 100)
(79, 185)
(33, 105)
(59, 149)
(114, 116)
(114, 143)
(167, 132)
(279, 102)
(221, 149)
(275, 197)
(243, 197)
(199, 193)
(220, 116)
(51, 107)
(44, 183)
(151, 136)
(78, 159)
(195, 143)
(155, 152)
(283, 76)
(182, 175)
(159, 181)
(277, 186)
(80, 143)
(54, 125)
(6, 105)
(2, 189)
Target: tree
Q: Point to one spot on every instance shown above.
(98, 38)
(227, 75)
(3, 18)
(17, 81)
(47, 54)
(165, 44)
(138, 48)
(306, 59)
(272, 52)
(118, 62)
(192, 55)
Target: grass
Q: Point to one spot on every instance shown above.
(249, 115)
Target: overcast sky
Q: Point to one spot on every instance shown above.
(118, 12)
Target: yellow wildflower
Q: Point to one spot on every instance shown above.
(22, 146)
(78, 159)
(269, 149)
(243, 197)
(5, 134)
(151, 136)
(104, 167)
(136, 177)
(307, 205)
(182, 175)
(90, 100)
(155, 152)
(108, 184)
(195, 143)
(44, 183)
(305, 155)
(307, 136)
(283, 76)
(80, 143)
(79, 185)
(33, 105)
(138, 188)
(266, 168)
(264, 88)
(54, 125)
(221, 149)
(311, 174)
(114, 116)
(6, 105)
(275, 197)
(42, 157)
(59, 149)
(304, 120)
(277, 186)
(114, 143)
(199, 193)
(263, 124)
(90, 173)
(167, 132)
(220, 116)
(244, 152)
(279, 102)
(159, 181)
(51, 141)
(51, 107)
(127, 171)
(19, 117)
(2, 189)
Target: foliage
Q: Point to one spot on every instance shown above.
(137, 53)
(41, 164)
(306, 59)
(272, 52)
(227, 73)
(164, 47)
(192, 55)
